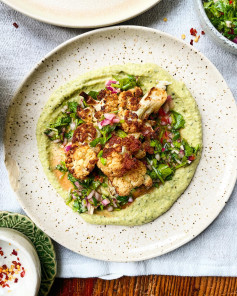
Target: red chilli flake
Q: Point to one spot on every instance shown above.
(16, 280)
(203, 33)
(23, 273)
(193, 32)
(191, 42)
(15, 25)
(14, 252)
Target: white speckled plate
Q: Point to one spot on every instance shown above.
(214, 178)
(81, 13)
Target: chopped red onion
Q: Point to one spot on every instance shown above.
(74, 196)
(116, 120)
(178, 161)
(110, 209)
(172, 145)
(130, 199)
(109, 82)
(166, 108)
(97, 196)
(51, 134)
(105, 202)
(78, 185)
(105, 122)
(181, 153)
(64, 141)
(90, 209)
(91, 194)
(67, 148)
(73, 125)
(109, 116)
(149, 167)
(157, 156)
(189, 161)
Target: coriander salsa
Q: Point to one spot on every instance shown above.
(171, 166)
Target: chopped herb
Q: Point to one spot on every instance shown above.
(62, 167)
(72, 106)
(120, 133)
(223, 15)
(103, 160)
(178, 120)
(93, 94)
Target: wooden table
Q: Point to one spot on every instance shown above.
(152, 285)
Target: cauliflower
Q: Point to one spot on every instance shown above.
(118, 155)
(86, 114)
(128, 104)
(152, 101)
(133, 178)
(108, 102)
(84, 133)
(129, 100)
(81, 158)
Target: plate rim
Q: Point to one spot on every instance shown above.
(189, 237)
(67, 25)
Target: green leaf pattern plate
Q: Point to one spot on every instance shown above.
(42, 243)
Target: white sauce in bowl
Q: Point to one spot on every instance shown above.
(19, 265)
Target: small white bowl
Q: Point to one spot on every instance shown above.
(25, 253)
(212, 31)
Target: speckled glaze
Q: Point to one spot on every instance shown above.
(210, 29)
(81, 13)
(214, 178)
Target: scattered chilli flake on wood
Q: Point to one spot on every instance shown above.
(15, 25)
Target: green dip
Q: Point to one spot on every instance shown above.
(159, 200)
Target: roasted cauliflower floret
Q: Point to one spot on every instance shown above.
(152, 101)
(128, 104)
(86, 114)
(118, 155)
(129, 100)
(133, 178)
(108, 102)
(80, 161)
(81, 158)
(84, 133)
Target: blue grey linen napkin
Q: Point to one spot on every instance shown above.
(214, 252)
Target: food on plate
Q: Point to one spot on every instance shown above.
(223, 15)
(121, 143)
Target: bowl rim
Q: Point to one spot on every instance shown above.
(213, 28)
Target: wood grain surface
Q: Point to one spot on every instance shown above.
(152, 285)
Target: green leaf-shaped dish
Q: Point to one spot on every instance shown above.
(42, 243)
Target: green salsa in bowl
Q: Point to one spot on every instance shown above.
(219, 19)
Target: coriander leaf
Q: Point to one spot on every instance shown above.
(62, 167)
(61, 121)
(69, 135)
(93, 94)
(122, 199)
(165, 170)
(103, 161)
(179, 121)
(120, 133)
(95, 142)
(72, 106)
